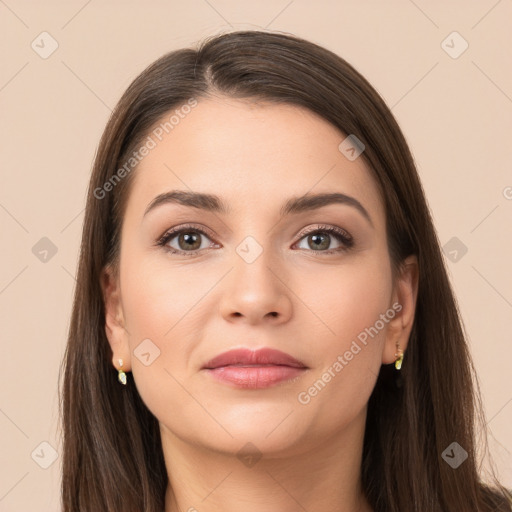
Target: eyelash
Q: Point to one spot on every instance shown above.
(341, 235)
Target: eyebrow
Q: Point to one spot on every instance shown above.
(294, 205)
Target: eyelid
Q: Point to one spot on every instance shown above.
(328, 228)
(183, 227)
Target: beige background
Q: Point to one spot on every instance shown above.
(455, 113)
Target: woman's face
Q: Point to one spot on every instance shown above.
(256, 275)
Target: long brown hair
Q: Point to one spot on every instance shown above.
(112, 452)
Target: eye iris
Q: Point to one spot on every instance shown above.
(319, 245)
(189, 239)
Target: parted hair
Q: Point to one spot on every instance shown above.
(112, 452)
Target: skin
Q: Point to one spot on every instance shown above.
(255, 156)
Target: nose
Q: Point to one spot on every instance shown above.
(256, 292)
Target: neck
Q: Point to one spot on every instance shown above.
(317, 476)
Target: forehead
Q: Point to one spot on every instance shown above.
(252, 155)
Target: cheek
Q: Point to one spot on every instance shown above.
(160, 304)
(161, 310)
(348, 342)
(345, 300)
(158, 296)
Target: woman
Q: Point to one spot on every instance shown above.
(262, 317)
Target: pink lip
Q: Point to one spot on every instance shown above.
(254, 369)
(260, 357)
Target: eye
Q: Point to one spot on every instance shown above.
(188, 240)
(320, 238)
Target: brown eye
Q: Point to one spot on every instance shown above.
(187, 240)
(320, 240)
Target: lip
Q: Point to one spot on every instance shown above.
(260, 357)
(254, 369)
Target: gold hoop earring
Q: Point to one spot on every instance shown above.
(399, 355)
(121, 377)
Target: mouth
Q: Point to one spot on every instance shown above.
(250, 358)
(244, 368)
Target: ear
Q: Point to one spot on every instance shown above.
(115, 330)
(404, 304)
